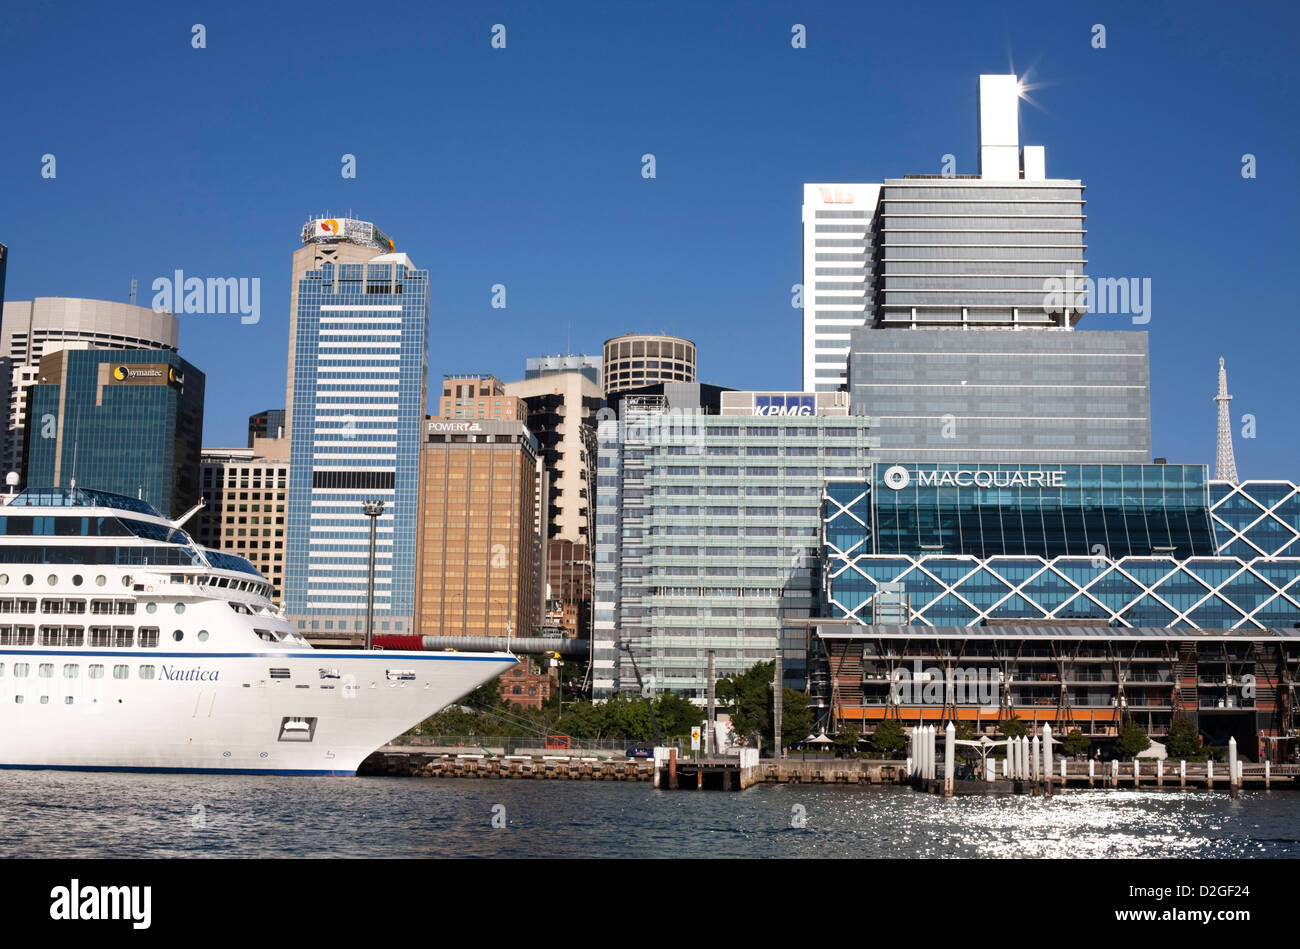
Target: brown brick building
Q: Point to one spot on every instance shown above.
(478, 558)
(527, 685)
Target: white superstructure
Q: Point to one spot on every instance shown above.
(126, 646)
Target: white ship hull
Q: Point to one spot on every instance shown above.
(216, 712)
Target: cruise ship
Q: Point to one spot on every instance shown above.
(126, 646)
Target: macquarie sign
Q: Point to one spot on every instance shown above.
(898, 477)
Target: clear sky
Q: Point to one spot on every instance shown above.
(522, 166)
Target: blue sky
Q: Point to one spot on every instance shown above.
(522, 166)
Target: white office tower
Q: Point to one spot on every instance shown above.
(837, 277)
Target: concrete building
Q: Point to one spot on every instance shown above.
(125, 421)
(562, 410)
(637, 360)
(359, 371)
(479, 396)
(32, 329)
(709, 535)
(838, 277)
(326, 241)
(477, 569)
(246, 498)
(540, 366)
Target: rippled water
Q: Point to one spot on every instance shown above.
(71, 814)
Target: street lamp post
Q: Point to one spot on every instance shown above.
(373, 509)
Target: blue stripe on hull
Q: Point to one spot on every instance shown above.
(91, 767)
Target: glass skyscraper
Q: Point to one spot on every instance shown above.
(129, 422)
(360, 342)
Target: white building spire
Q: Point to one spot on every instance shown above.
(1225, 466)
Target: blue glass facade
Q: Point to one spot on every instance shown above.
(1041, 510)
(124, 421)
(358, 410)
(993, 570)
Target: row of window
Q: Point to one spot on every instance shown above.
(114, 637)
(10, 605)
(45, 670)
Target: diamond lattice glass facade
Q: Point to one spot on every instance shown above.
(358, 397)
(1248, 577)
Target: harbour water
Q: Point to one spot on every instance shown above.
(83, 815)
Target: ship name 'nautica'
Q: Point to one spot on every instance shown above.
(190, 675)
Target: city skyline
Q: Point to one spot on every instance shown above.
(549, 186)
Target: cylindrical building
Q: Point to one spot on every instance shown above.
(637, 360)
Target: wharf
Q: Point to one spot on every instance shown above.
(407, 761)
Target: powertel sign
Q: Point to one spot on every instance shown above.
(897, 477)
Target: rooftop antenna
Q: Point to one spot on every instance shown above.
(133, 291)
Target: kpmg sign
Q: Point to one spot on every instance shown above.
(786, 404)
(897, 477)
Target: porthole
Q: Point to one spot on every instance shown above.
(76, 579)
(4, 579)
(180, 608)
(100, 580)
(151, 607)
(178, 635)
(52, 579)
(126, 581)
(28, 579)
(203, 635)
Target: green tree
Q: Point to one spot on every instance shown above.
(1184, 742)
(796, 718)
(889, 738)
(1013, 728)
(1075, 743)
(749, 698)
(846, 740)
(677, 715)
(1132, 741)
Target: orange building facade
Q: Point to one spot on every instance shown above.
(478, 558)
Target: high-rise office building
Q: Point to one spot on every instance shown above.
(31, 329)
(477, 571)
(967, 354)
(537, 367)
(268, 424)
(639, 359)
(326, 241)
(129, 422)
(838, 274)
(246, 498)
(562, 410)
(1001, 396)
(709, 532)
(360, 339)
(480, 396)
